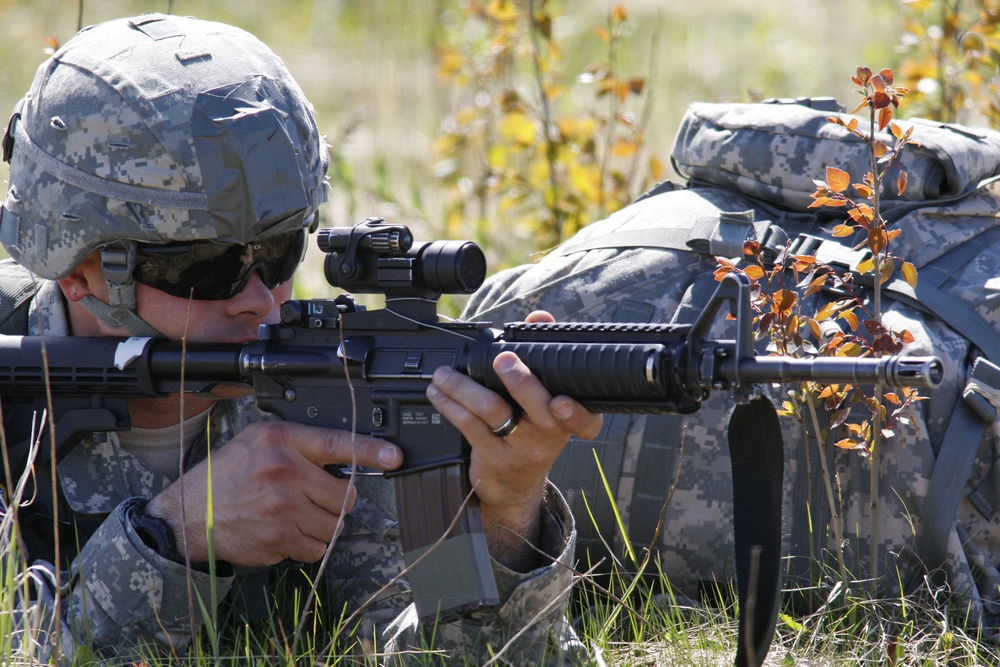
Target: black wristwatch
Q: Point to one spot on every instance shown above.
(155, 533)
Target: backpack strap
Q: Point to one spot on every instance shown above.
(17, 287)
(954, 461)
(654, 469)
(712, 235)
(589, 500)
(928, 297)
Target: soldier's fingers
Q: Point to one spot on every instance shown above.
(525, 389)
(471, 407)
(325, 446)
(539, 316)
(575, 418)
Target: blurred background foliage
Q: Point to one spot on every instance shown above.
(514, 123)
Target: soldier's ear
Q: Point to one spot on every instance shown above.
(87, 278)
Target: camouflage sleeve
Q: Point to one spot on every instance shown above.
(112, 604)
(528, 627)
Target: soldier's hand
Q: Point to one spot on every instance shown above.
(271, 497)
(509, 471)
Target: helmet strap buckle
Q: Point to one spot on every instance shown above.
(118, 263)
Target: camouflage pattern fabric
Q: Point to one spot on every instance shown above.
(121, 599)
(601, 282)
(127, 142)
(773, 152)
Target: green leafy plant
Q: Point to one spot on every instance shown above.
(519, 154)
(953, 59)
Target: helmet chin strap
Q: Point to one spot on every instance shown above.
(119, 316)
(118, 264)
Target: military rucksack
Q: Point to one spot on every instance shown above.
(750, 169)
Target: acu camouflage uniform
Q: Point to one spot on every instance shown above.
(158, 129)
(751, 169)
(119, 597)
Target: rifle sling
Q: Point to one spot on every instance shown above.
(757, 456)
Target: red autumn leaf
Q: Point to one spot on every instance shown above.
(884, 116)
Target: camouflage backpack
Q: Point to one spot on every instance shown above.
(750, 171)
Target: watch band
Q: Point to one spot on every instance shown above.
(155, 533)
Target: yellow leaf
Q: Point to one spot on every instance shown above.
(847, 443)
(910, 274)
(503, 10)
(849, 350)
(866, 265)
(577, 128)
(498, 155)
(450, 61)
(814, 328)
(754, 272)
(827, 311)
(887, 270)
(623, 148)
(587, 179)
(838, 179)
(851, 318)
(656, 169)
(619, 13)
(518, 128)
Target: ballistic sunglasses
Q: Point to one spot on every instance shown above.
(208, 271)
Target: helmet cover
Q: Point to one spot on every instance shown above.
(158, 129)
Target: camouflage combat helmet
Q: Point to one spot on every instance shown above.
(151, 130)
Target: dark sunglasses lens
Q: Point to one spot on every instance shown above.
(213, 272)
(280, 257)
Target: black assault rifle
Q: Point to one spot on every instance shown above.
(336, 364)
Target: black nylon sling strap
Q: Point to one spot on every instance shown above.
(758, 462)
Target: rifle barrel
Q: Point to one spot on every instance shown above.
(893, 371)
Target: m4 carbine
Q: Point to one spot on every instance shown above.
(336, 364)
